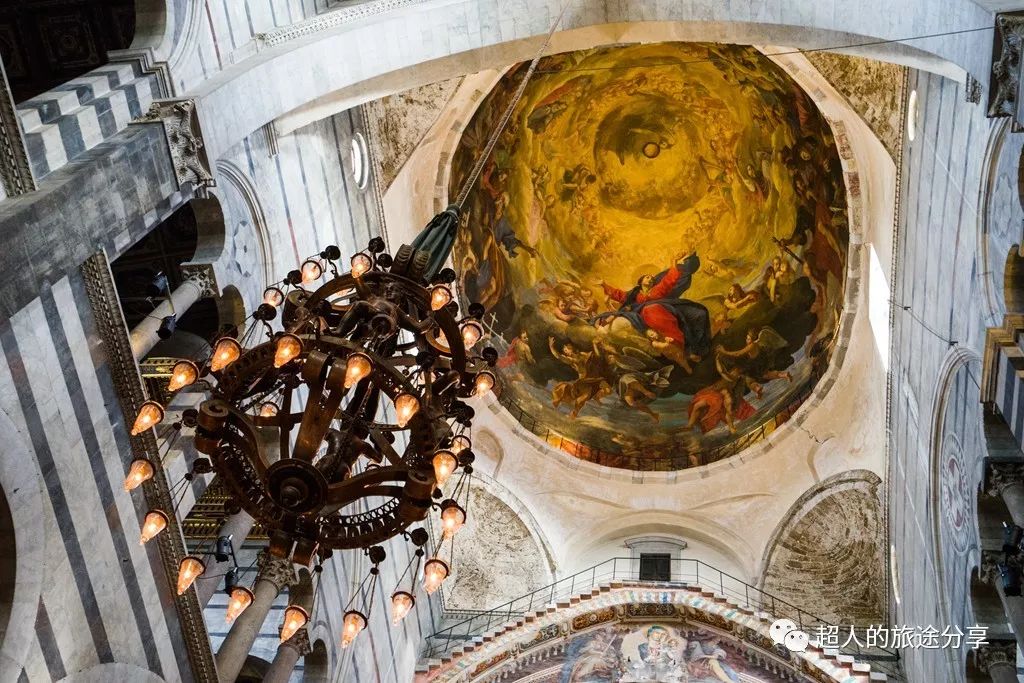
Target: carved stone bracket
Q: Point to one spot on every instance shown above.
(203, 275)
(972, 90)
(276, 570)
(997, 653)
(1005, 78)
(184, 140)
(1001, 475)
(299, 642)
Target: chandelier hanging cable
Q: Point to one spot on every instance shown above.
(341, 430)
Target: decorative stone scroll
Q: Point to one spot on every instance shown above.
(184, 139)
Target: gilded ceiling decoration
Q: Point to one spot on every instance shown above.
(661, 234)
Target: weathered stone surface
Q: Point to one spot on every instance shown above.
(828, 556)
(398, 122)
(874, 89)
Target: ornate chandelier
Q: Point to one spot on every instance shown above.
(341, 431)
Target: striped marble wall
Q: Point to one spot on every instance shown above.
(100, 597)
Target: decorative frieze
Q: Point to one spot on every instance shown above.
(184, 139)
(330, 20)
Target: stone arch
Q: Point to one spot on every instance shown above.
(955, 452)
(239, 181)
(498, 554)
(316, 665)
(831, 541)
(22, 486)
(210, 229)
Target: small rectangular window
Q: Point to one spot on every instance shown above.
(655, 567)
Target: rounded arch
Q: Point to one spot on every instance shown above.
(954, 484)
(210, 228)
(836, 529)
(316, 664)
(23, 490)
(239, 181)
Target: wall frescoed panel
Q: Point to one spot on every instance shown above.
(665, 264)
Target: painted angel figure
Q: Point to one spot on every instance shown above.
(755, 360)
(591, 383)
(636, 383)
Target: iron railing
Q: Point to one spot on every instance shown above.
(683, 573)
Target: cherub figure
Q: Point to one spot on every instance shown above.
(755, 359)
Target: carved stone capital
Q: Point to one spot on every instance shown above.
(184, 140)
(276, 570)
(998, 653)
(203, 275)
(299, 642)
(1006, 65)
(988, 570)
(1000, 476)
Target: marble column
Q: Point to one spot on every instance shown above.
(237, 526)
(999, 661)
(144, 337)
(287, 657)
(1013, 605)
(274, 575)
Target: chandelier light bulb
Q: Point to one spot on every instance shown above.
(140, 471)
(361, 263)
(184, 373)
(268, 409)
(444, 464)
(294, 618)
(406, 406)
(311, 271)
(241, 598)
(273, 296)
(461, 442)
(150, 415)
(484, 383)
(190, 569)
(155, 522)
(401, 604)
(288, 347)
(225, 353)
(472, 331)
(440, 296)
(352, 626)
(357, 368)
(452, 518)
(435, 571)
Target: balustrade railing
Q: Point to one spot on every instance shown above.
(683, 573)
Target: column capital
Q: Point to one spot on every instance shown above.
(1001, 475)
(1000, 652)
(184, 138)
(276, 570)
(203, 275)
(299, 642)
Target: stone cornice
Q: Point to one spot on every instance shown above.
(15, 171)
(329, 20)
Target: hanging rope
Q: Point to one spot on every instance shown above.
(478, 167)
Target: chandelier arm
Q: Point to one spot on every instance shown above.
(351, 489)
(319, 412)
(385, 447)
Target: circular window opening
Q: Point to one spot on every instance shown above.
(912, 116)
(360, 168)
